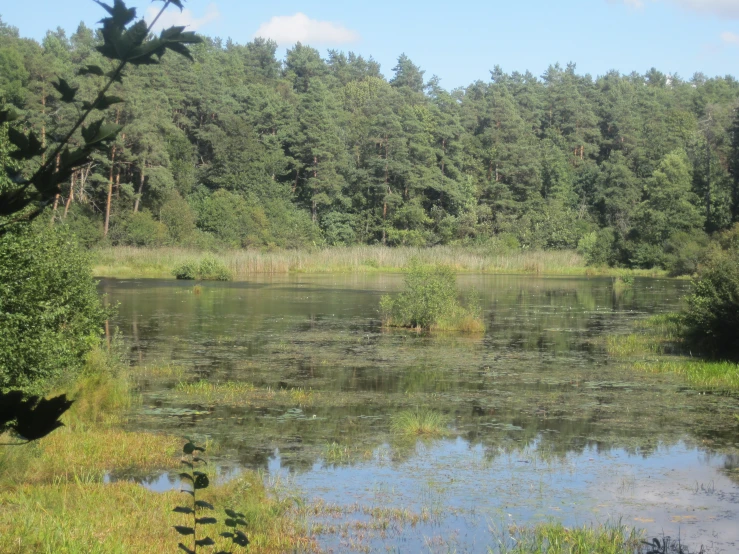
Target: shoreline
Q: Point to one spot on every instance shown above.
(159, 263)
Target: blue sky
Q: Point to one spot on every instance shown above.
(459, 42)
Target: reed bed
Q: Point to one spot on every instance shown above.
(131, 262)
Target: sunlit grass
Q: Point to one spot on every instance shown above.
(652, 349)
(120, 518)
(699, 373)
(420, 422)
(555, 538)
(241, 393)
(131, 262)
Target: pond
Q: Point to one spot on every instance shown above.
(543, 425)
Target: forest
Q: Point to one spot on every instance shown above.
(243, 150)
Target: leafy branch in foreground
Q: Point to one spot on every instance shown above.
(198, 481)
(124, 43)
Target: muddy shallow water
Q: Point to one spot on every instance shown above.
(542, 424)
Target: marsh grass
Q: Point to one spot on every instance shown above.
(699, 373)
(555, 538)
(239, 393)
(53, 497)
(658, 348)
(120, 518)
(421, 422)
(131, 262)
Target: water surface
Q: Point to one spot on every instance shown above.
(543, 425)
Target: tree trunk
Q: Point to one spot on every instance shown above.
(70, 198)
(110, 192)
(141, 188)
(110, 183)
(708, 186)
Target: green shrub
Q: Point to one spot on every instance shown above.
(179, 219)
(51, 315)
(430, 301)
(598, 247)
(683, 252)
(207, 269)
(712, 314)
(139, 229)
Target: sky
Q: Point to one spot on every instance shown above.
(460, 43)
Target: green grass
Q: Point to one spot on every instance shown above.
(93, 518)
(131, 262)
(420, 423)
(657, 347)
(53, 498)
(555, 538)
(699, 373)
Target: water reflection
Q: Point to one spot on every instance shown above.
(595, 439)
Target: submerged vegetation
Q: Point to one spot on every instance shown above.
(430, 302)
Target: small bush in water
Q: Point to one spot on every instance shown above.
(429, 301)
(208, 269)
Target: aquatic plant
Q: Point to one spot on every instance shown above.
(429, 301)
(419, 422)
(555, 538)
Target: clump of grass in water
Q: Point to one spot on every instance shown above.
(555, 538)
(207, 269)
(210, 391)
(429, 302)
(623, 282)
(420, 422)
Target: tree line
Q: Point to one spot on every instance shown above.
(240, 149)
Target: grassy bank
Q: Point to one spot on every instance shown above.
(128, 262)
(54, 494)
(656, 346)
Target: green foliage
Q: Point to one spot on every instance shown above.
(712, 313)
(683, 252)
(430, 301)
(198, 480)
(139, 229)
(178, 219)
(598, 247)
(50, 311)
(208, 269)
(244, 151)
(45, 166)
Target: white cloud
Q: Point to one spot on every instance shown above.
(289, 29)
(186, 18)
(721, 8)
(728, 9)
(730, 38)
